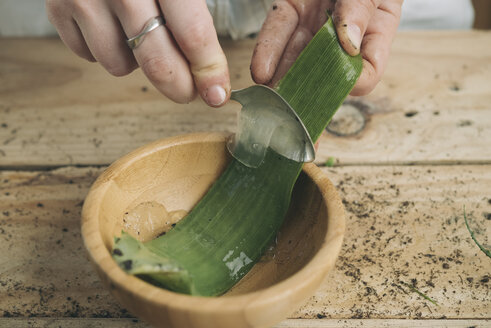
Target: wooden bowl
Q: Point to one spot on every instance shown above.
(176, 173)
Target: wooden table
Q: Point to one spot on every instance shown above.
(408, 158)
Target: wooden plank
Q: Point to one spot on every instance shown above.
(432, 106)
(291, 323)
(71, 322)
(377, 323)
(404, 227)
(44, 269)
(56, 109)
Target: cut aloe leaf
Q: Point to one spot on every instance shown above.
(133, 257)
(229, 229)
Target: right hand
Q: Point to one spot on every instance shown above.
(363, 26)
(180, 58)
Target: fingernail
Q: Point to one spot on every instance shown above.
(354, 35)
(215, 95)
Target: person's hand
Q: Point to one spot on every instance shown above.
(180, 58)
(362, 25)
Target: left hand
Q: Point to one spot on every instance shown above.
(179, 58)
(366, 26)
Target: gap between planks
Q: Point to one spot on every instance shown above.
(29, 168)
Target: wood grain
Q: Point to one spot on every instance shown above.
(292, 323)
(56, 109)
(404, 226)
(391, 323)
(72, 322)
(432, 106)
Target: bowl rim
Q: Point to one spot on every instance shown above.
(311, 274)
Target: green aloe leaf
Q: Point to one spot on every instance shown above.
(226, 233)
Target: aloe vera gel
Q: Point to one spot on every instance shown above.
(225, 234)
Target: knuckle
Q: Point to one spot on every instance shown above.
(158, 70)
(210, 68)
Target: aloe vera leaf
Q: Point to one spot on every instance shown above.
(319, 80)
(228, 230)
(133, 257)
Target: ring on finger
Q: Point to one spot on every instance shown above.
(151, 25)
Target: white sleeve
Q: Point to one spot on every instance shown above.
(238, 18)
(24, 18)
(436, 14)
(235, 18)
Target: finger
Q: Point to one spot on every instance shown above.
(312, 14)
(297, 43)
(71, 35)
(60, 16)
(351, 19)
(158, 56)
(104, 36)
(376, 44)
(191, 24)
(273, 38)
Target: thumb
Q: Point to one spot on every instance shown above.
(191, 25)
(351, 19)
(212, 80)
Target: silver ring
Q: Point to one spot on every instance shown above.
(151, 25)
